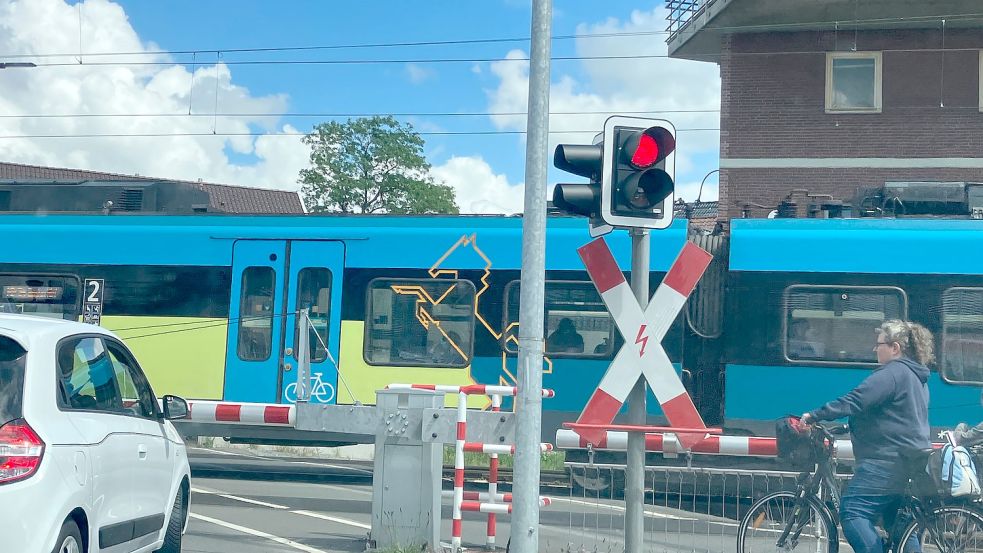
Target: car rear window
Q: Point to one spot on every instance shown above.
(12, 362)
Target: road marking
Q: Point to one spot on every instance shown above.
(653, 514)
(237, 498)
(223, 452)
(259, 534)
(333, 519)
(288, 509)
(329, 465)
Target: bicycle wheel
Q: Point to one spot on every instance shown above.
(952, 529)
(290, 392)
(775, 517)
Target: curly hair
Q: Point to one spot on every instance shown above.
(915, 340)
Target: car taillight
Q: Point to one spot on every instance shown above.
(20, 451)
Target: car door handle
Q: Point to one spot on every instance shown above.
(142, 451)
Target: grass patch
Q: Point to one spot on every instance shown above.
(550, 460)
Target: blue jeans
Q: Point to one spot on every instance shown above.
(874, 493)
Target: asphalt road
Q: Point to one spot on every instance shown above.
(243, 503)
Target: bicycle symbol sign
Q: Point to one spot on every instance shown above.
(321, 391)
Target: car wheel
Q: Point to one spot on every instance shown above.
(172, 539)
(69, 539)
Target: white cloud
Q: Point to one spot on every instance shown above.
(616, 86)
(418, 73)
(52, 26)
(478, 188)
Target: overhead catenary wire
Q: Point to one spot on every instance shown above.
(293, 134)
(401, 61)
(970, 16)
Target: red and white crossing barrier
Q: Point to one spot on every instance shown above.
(480, 496)
(242, 413)
(471, 389)
(496, 508)
(497, 449)
(739, 446)
(643, 332)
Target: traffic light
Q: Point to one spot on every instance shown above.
(630, 169)
(637, 184)
(582, 199)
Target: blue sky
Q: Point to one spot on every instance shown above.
(482, 168)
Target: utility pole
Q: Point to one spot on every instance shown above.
(529, 402)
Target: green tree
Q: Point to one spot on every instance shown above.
(371, 165)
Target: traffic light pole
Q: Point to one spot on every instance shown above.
(635, 468)
(529, 403)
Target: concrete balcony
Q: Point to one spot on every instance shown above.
(697, 26)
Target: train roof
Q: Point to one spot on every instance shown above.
(914, 246)
(370, 240)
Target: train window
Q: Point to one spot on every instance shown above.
(419, 322)
(835, 324)
(314, 293)
(41, 295)
(962, 335)
(256, 314)
(577, 322)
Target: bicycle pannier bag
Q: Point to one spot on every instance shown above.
(953, 471)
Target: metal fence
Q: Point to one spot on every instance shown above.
(687, 509)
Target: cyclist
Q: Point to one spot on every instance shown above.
(888, 415)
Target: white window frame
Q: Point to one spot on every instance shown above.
(878, 65)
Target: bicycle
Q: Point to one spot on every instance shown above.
(322, 391)
(785, 520)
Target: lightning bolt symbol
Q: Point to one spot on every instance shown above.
(641, 340)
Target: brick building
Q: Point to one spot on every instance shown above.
(825, 98)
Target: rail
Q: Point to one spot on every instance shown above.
(681, 12)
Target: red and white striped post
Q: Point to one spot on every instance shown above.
(493, 482)
(462, 427)
(491, 502)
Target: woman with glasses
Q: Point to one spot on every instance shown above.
(888, 415)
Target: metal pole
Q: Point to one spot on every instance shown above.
(635, 469)
(529, 402)
(303, 346)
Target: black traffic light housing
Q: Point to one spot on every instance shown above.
(637, 187)
(582, 199)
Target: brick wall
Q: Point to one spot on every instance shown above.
(773, 106)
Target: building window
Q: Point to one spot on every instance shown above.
(577, 323)
(419, 322)
(962, 335)
(853, 82)
(837, 324)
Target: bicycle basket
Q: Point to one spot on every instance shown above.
(794, 447)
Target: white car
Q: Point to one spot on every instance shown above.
(89, 461)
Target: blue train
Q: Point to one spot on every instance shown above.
(782, 322)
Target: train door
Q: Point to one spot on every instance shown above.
(272, 280)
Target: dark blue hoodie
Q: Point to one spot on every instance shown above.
(888, 411)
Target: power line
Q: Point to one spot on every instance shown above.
(384, 61)
(341, 114)
(314, 48)
(497, 40)
(365, 61)
(289, 134)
